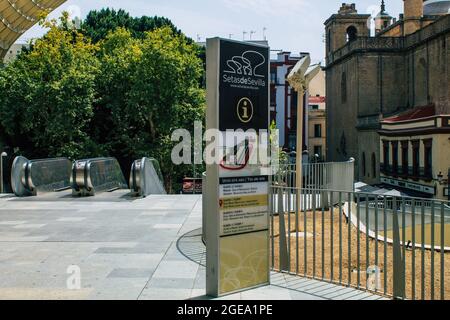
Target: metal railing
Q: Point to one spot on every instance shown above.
(146, 178)
(366, 43)
(330, 175)
(392, 43)
(90, 176)
(28, 177)
(393, 246)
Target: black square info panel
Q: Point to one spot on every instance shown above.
(243, 86)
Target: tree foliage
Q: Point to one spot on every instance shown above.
(120, 95)
(98, 24)
(46, 96)
(148, 89)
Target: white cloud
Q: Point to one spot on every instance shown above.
(269, 7)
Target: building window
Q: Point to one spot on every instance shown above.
(294, 104)
(374, 166)
(394, 157)
(428, 144)
(386, 156)
(329, 40)
(344, 88)
(273, 97)
(343, 145)
(364, 164)
(352, 34)
(416, 157)
(314, 107)
(317, 131)
(273, 77)
(405, 158)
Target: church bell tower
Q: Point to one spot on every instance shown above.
(345, 26)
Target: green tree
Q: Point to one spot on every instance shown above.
(147, 88)
(114, 125)
(121, 97)
(171, 68)
(98, 24)
(46, 96)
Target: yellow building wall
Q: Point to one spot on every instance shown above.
(317, 117)
(393, 32)
(440, 157)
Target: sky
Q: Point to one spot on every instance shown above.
(291, 25)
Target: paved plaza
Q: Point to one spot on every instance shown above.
(125, 249)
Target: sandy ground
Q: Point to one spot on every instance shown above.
(345, 270)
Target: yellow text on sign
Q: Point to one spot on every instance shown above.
(243, 202)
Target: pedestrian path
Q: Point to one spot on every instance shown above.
(121, 249)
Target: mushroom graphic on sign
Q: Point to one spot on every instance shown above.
(242, 64)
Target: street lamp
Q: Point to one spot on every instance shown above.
(299, 79)
(4, 154)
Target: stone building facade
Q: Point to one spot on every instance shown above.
(404, 66)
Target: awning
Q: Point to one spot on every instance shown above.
(387, 191)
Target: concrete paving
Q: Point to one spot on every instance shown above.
(121, 248)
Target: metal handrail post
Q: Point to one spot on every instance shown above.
(284, 265)
(1, 174)
(398, 271)
(3, 154)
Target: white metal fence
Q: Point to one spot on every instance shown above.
(330, 175)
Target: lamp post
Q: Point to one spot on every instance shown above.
(299, 79)
(4, 154)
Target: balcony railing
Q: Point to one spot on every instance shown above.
(392, 43)
(366, 43)
(421, 173)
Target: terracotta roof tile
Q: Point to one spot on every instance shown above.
(416, 113)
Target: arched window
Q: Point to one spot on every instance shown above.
(363, 164)
(329, 40)
(374, 166)
(344, 87)
(421, 75)
(352, 34)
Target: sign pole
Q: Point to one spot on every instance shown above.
(1, 173)
(299, 165)
(210, 208)
(236, 205)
